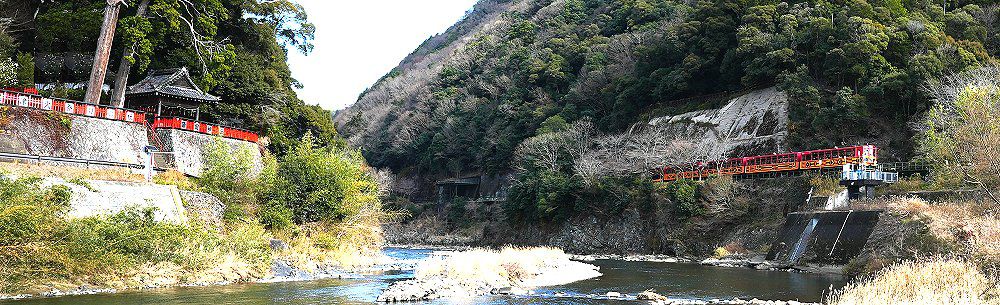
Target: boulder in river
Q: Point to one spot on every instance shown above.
(650, 295)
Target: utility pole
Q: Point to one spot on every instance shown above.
(103, 52)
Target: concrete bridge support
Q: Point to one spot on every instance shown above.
(861, 189)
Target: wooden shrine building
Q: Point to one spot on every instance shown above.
(168, 93)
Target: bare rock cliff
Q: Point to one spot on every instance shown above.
(751, 124)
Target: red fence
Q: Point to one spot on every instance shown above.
(28, 90)
(72, 107)
(19, 99)
(206, 128)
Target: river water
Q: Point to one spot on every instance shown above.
(671, 279)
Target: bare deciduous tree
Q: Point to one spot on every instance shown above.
(550, 150)
(593, 155)
(962, 131)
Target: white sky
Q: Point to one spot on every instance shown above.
(357, 42)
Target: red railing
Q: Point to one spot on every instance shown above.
(26, 100)
(203, 127)
(28, 90)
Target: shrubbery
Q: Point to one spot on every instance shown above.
(324, 184)
(308, 184)
(456, 212)
(544, 196)
(324, 201)
(318, 198)
(962, 132)
(684, 194)
(233, 179)
(38, 244)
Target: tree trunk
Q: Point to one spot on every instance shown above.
(125, 66)
(103, 52)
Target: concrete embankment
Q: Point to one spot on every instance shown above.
(96, 198)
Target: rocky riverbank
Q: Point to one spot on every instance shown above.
(632, 258)
(760, 264)
(167, 276)
(655, 299)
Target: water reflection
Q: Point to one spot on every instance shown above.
(675, 280)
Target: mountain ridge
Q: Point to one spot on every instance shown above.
(467, 98)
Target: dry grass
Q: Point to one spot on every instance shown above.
(824, 186)
(506, 267)
(966, 224)
(339, 245)
(22, 169)
(172, 177)
(70, 172)
(937, 282)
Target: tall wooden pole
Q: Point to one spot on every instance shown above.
(103, 52)
(124, 67)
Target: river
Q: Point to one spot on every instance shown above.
(670, 279)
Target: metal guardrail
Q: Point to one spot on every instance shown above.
(492, 198)
(870, 175)
(905, 167)
(69, 160)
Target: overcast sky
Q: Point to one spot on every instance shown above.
(357, 42)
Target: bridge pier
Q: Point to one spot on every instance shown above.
(858, 189)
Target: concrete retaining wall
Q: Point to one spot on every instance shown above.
(109, 197)
(833, 237)
(191, 148)
(44, 133)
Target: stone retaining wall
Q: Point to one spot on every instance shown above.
(44, 133)
(191, 148)
(104, 198)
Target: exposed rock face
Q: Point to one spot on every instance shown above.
(191, 148)
(751, 124)
(591, 235)
(206, 208)
(635, 230)
(430, 230)
(44, 133)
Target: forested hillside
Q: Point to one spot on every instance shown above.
(853, 70)
(235, 49)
